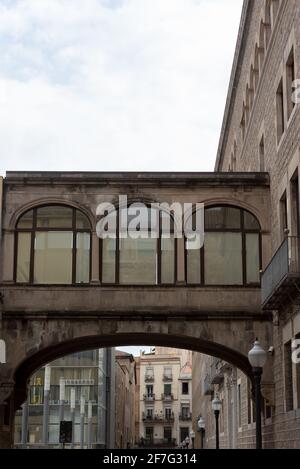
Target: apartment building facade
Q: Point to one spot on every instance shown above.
(165, 397)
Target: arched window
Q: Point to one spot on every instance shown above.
(53, 246)
(231, 251)
(146, 258)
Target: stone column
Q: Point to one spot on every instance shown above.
(95, 258)
(180, 261)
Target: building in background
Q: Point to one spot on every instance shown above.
(90, 376)
(125, 396)
(165, 397)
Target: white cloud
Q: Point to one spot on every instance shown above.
(114, 84)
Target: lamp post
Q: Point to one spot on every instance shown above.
(216, 407)
(201, 426)
(192, 437)
(257, 358)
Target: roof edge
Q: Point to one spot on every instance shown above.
(234, 77)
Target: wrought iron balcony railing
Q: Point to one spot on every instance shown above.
(167, 377)
(167, 397)
(149, 378)
(185, 417)
(158, 418)
(149, 397)
(280, 280)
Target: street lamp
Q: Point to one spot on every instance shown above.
(216, 407)
(187, 442)
(192, 437)
(257, 358)
(201, 426)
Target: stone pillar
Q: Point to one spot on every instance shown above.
(95, 258)
(234, 409)
(180, 260)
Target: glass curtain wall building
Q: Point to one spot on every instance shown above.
(86, 376)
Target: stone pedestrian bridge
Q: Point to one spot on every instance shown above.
(63, 290)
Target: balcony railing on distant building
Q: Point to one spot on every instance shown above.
(185, 417)
(158, 418)
(149, 378)
(167, 397)
(281, 278)
(168, 377)
(157, 443)
(149, 397)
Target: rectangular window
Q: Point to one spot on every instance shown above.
(168, 372)
(168, 414)
(294, 185)
(167, 389)
(185, 388)
(108, 260)
(53, 257)
(167, 260)
(262, 155)
(138, 261)
(149, 390)
(185, 412)
(288, 374)
(290, 78)
(168, 434)
(223, 250)
(83, 257)
(280, 111)
(253, 258)
(283, 215)
(149, 434)
(23, 257)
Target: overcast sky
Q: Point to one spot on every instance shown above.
(114, 84)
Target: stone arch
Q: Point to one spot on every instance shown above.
(58, 350)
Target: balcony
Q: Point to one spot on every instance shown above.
(167, 397)
(149, 378)
(185, 417)
(167, 377)
(281, 280)
(157, 443)
(149, 397)
(158, 418)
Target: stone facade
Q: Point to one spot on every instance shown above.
(261, 133)
(49, 321)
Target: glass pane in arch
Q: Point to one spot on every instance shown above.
(222, 218)
(53, 257)
(108, 260)
(168, 260)
(26, 220)
(223, 259)
(250, 222)
(253, 258)
(82, 221)
(54, 216)
(23, 259)
(138, 261)
(83, 258)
